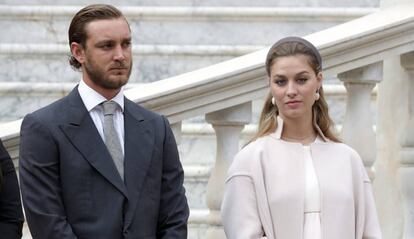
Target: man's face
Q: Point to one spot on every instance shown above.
(107, 58)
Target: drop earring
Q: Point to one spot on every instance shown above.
(317, 95)
(273, 101)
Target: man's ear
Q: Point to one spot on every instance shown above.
(78, 52)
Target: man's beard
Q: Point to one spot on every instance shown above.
(97, 75)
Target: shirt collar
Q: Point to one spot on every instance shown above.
(279, 129)
(91, 98)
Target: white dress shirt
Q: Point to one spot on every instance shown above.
(92, 100)
(312, 225)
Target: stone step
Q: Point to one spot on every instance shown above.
(180, 25)
(49, 63)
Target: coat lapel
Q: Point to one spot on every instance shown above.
(82, 132)
(139, 145)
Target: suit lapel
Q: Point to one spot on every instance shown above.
(82, 132)
(139, 144)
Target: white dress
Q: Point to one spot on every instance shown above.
(312, 219)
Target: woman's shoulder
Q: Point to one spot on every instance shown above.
(348, 152)
(253, 148)
(248, 156)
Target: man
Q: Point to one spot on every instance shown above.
(11, 215)
(94, 164)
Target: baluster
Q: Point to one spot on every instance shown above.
(406, 138)
(357, 129)
(177, 130)
(228, 124)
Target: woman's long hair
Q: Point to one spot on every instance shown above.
(268, 122)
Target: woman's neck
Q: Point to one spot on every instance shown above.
(299, 130)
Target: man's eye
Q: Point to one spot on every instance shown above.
(126, 44)
(106, 46)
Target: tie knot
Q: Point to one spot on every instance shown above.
(109, 107)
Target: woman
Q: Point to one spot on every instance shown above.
(11, 215)
(295, 180)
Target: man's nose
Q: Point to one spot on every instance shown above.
(119, 54)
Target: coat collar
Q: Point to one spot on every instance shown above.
(279, 129)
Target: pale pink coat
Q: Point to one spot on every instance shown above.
(265, 191)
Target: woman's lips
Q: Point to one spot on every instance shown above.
(293, 104)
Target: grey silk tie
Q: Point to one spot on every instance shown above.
(111, 137)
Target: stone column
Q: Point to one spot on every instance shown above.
(406, 138)
(228, 124)
(357, 129)
(388, 195)
(176, 129)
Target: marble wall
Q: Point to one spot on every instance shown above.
(282, 3)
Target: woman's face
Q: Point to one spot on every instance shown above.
(294, 84)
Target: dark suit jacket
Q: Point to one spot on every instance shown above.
(70, 186)
(11, 215)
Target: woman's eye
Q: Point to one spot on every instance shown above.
(280, 82)
(302, 80)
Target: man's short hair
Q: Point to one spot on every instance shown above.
(77, 29)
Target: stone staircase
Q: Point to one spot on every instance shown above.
(170, 38)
